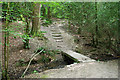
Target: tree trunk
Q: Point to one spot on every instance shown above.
(93, 40)
(96, 30)
(109, 42)
(35, 19)
(44, 11)
(26, 43)
(118, 39)
(6, 47)
(49, 12)
(39, 16)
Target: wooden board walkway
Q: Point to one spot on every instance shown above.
(77, 56)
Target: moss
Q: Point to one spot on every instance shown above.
(44, 76)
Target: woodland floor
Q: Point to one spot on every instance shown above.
(19, 57)
(19, 54)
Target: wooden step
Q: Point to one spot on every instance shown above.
(53, 29)
(59, 46)
(57, 38)
(56, 35)
(52, 26)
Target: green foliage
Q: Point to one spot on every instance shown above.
(18, 64)
(35, 71)
(46, 51)
(47, 22)
(0, 42)
(83, 17)
(25, 37)
(46, 55)
(40, 35)
(19, 11)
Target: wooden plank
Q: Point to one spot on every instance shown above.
(57, 38)
(56, 35)
(77, 56)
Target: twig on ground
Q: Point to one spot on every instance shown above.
(31, 61)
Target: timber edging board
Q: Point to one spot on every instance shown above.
(77, 57)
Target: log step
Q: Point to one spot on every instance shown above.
(57, 38)
(56, 35)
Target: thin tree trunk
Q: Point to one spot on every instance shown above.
(49, 12)
(118, 39)
(35, 19)
(93, 40)
(44, 11)
(6, 46)
(96, 39)
(39, 16)
(109, 38)
(26, 43)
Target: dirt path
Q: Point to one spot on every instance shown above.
(82, 70)
(59, 39)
